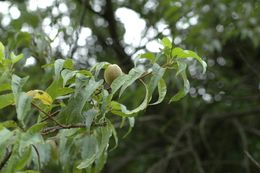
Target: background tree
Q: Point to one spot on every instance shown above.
(214, 129)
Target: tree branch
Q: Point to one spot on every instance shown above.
(53, 129)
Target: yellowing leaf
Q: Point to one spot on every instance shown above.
(43, 96)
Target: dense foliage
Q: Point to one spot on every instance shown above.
(63, 46)
(75, 114)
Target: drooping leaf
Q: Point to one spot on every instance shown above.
(89, 116)
(121, 110)
(162, 89)
(157, 74)
(87, 162)
(131, 125)
(133, 75)
(114, 133)
(184, 90)
(117, 83)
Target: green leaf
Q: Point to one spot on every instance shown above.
(24, 158)
(105, 102)
(58, 65)
(157, 74)
(117, 83)
(5, 135)
(133, 75)
(8, 124)
(103, 135)
(68, 64)
(72, 112)
(17, 84)
(180, 53)
(56, 89)
(131, 125)
(150, 56)
(23, 106)
(22, 100)
(121, 110)
(16, 58)
(5, 87)
(86, 73)
(166, 42)
(67, 75)
(162, 89)
(87, 162)
(2, 52)
(6, 100)
(98, 67)
(36, 128)
(184, 90)
(114, 133)
(100, 162)
(89, 116)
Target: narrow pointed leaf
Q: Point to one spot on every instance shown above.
(133, 75)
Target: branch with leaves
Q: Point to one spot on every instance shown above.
(78, 109)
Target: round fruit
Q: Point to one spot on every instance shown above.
(112, 72)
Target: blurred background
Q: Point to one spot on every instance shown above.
(215, 129)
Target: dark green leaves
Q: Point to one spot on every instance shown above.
(77, 116)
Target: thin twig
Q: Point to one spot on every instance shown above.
(51, 115)
(52, 129)
(252, 159)
(45, 113)
(38, 157)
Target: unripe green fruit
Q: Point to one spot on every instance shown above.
(111, 73)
